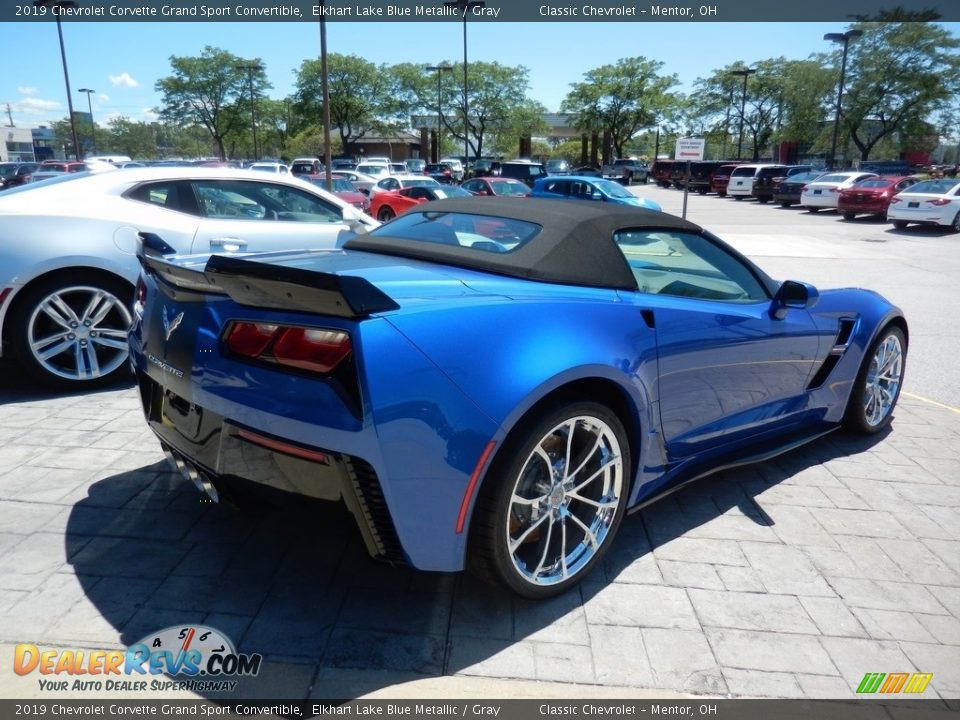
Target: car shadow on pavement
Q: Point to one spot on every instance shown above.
(298, 587)
(18, 387)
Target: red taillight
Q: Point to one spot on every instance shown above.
(313, 349)
(939, 201)
(835, 189)
(250, 339)
(894, 200)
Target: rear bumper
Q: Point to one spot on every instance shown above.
(213, 451)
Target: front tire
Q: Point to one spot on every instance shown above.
(73, 334)
(849, 216)
(386, 214)
(553, 500)
(955, 225)
(877, 387)
(900, 224)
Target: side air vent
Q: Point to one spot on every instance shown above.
(840, 345)
(373, 505)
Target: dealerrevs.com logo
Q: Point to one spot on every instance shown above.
(199, 658)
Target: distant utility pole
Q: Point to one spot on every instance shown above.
(250, 70)
(10, 115)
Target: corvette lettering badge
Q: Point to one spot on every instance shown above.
(170, 325)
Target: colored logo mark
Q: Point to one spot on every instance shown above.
(894, 683)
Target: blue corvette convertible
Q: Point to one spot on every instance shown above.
(494, 383)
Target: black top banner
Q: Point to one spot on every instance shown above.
(637, 11)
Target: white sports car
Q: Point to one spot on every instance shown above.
(68, 245)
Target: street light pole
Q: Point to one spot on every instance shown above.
(93, 128)
(465, 6)
(250, 70)
(439, 70)
(325, 94)
(63, 5)
(745, 73)
(844, 38)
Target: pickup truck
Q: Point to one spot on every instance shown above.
(625, 170)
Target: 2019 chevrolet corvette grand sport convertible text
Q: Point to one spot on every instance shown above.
(494, 383)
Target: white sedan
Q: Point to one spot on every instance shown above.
(928, 202)
(824, 192)
(397, 182)
(68, 246)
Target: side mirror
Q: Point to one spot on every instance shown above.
(596, 196)
(793, 294)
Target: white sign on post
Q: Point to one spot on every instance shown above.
(690, 149)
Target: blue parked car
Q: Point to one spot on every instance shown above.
(582, 187)
(495, 382)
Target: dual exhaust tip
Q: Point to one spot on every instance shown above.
(191, 473)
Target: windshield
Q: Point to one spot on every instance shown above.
(612, 189)
(419, 182)
(483, 233)
(504, 187)
(837, 178)
(340, 185)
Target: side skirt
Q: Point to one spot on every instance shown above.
(760, 456)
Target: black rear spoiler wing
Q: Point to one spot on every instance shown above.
(264, 285)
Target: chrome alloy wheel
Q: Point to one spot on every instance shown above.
(883, 380)
(79, 332)
(565, 500)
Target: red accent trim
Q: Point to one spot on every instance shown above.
(282, 447)
(3, 295)
(471, 486)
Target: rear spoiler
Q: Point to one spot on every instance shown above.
(264, 285)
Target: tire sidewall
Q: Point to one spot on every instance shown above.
(503, 478)
(855, 418)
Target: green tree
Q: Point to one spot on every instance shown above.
(360, 96)
(622, 99)
(212, 90)
(898, 74)
(131, 137)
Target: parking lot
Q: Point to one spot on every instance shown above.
(792, 578)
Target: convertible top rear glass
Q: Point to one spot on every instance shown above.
(568, 243)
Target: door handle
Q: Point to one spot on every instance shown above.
(228, 244)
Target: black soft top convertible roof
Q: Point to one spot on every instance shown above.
(574, 247)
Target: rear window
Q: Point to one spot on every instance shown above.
(743, 172)
(834, 178)
(771, 172)
(873, 183)
(936, 187)
(483, 233)
(804, 177)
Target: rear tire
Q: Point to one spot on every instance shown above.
(71, 333)
(849, 216)
(877, 387)
(955, 225)
(553, 500)
(386, 214)
(900, 224)
(784, 204)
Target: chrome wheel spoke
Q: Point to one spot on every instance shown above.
(518, 500)
(57, 310)
(586, 458)
(514, 544)
(52, 346)
(90, 362)
(110, 343)
(601, 504)
(546, 550)
(586, 530)
(606, 466)
(98, 308)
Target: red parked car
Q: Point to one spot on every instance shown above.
(496, 186)
(720, 178)
(343, 189)
(871, 196)
(386, 205)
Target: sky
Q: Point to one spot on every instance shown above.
(123, 61)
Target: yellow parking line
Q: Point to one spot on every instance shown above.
(932, 402)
